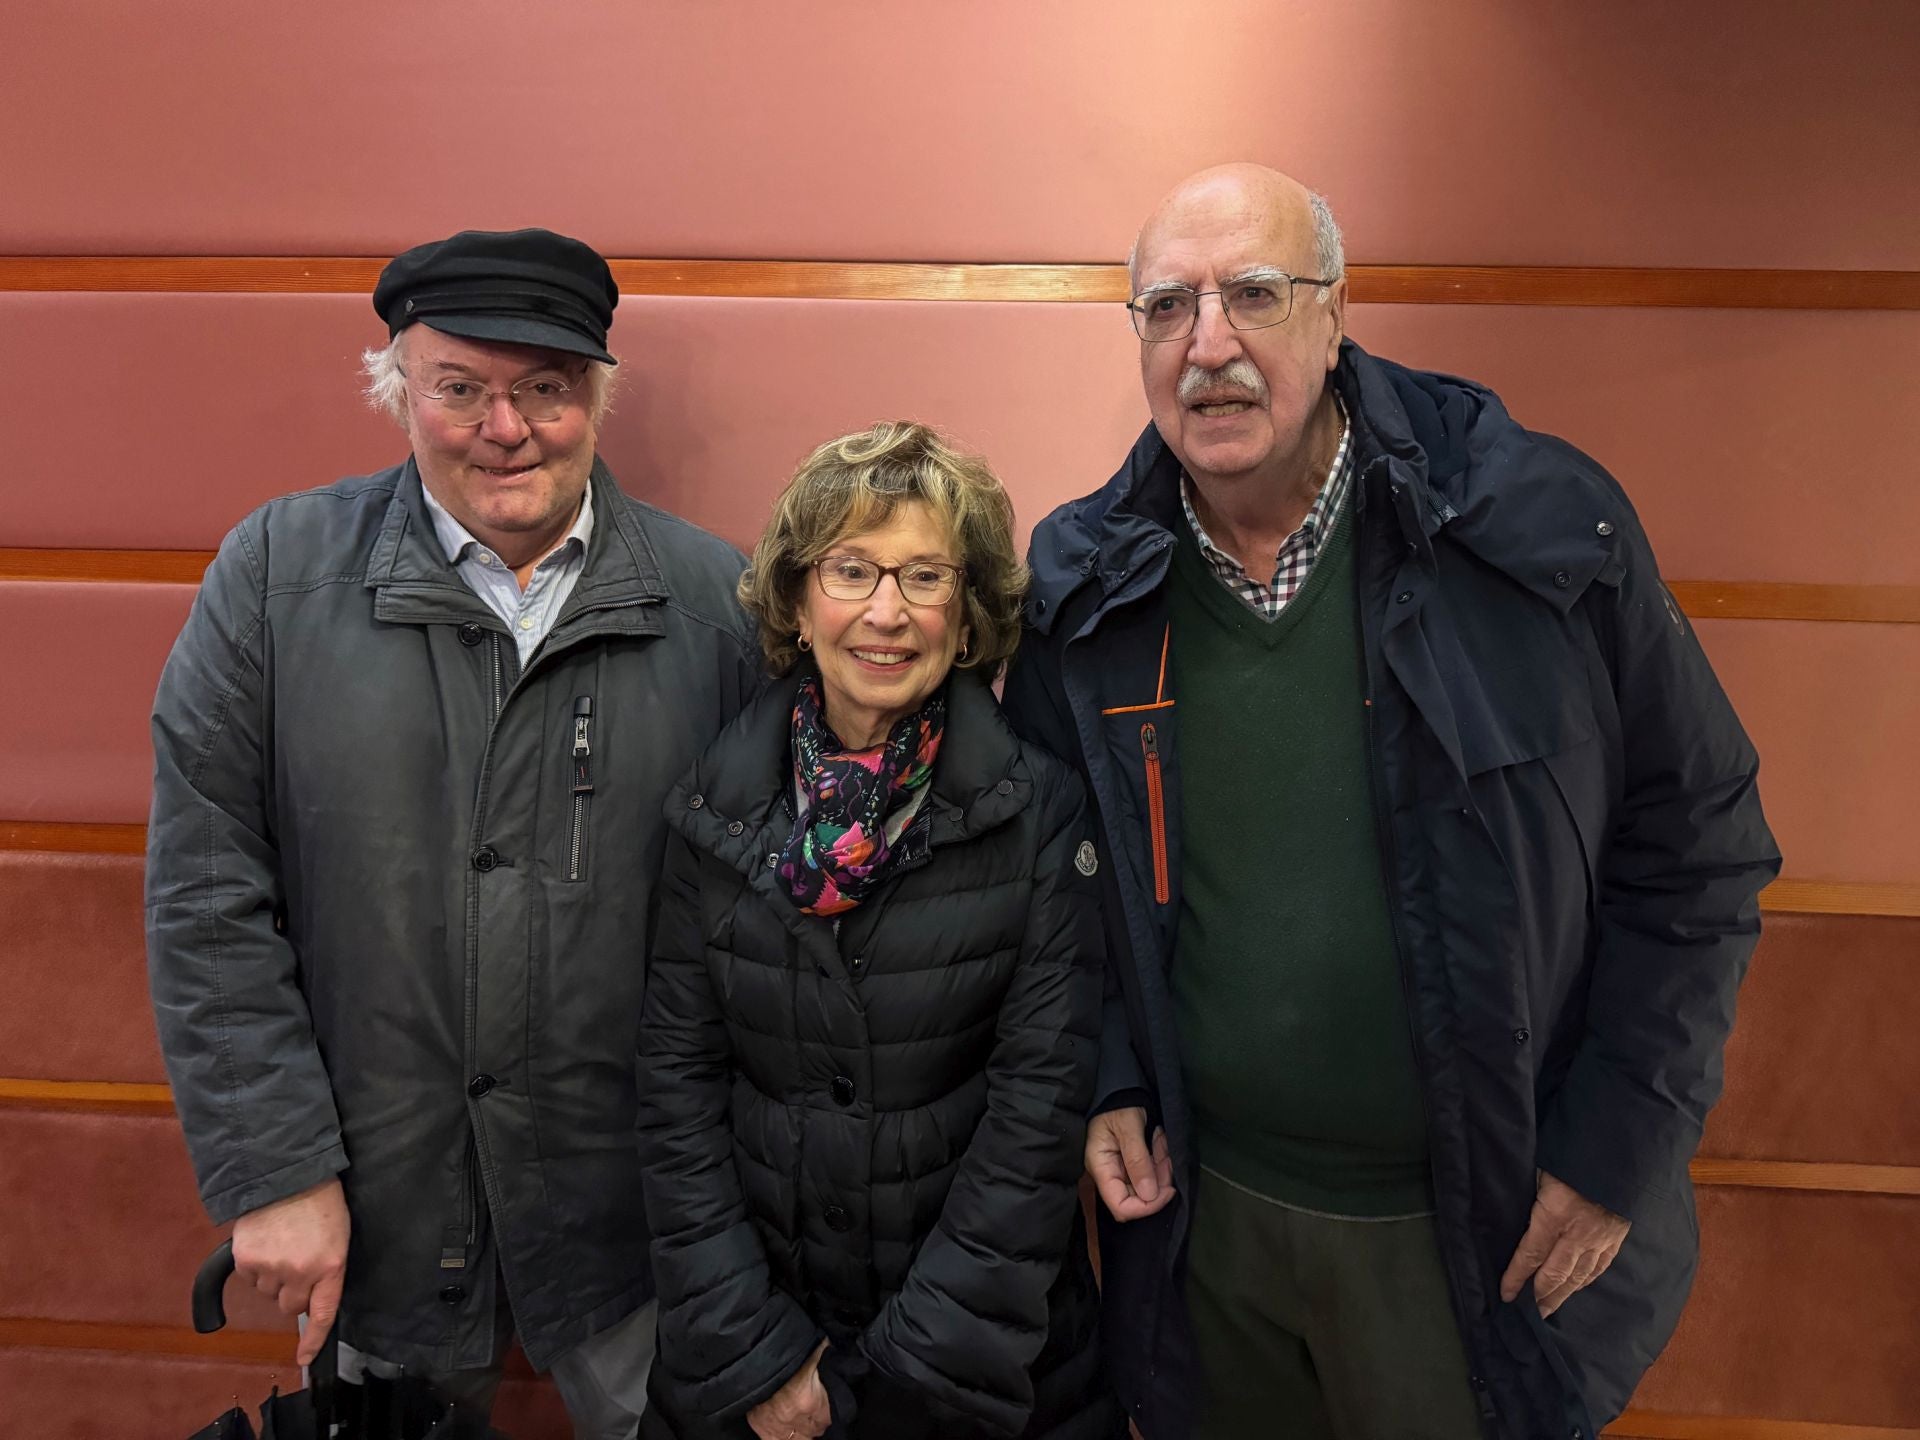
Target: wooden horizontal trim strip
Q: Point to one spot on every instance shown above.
(126, 567)
(1702, 599)
(1662, 1425)
(1084, 284)
(72, 838)
(1754, 600)
(122, 1097)
(247, 1347)
(130, 1097)
(1805, 897)
(276, 1348)
(1809, 1175)
(1840, 897)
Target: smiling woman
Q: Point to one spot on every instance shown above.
(906, 968)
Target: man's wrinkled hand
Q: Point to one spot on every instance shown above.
(294, 1252)
(1570, 1242)
(1133, 1180)
(799, 1409)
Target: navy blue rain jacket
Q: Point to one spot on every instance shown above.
(1572, 843)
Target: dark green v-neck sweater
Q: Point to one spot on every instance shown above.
(1286, 987)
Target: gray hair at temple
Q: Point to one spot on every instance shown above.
(387, 386)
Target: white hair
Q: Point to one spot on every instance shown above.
(386, 388)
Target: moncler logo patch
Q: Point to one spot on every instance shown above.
(1085, 860)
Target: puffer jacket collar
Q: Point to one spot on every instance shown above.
(1454, 460)
(414, 584)
(741, 784)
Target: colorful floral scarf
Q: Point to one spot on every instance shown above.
(862, 812)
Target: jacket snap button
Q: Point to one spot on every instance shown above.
(838, 1220)
(1005, 787)
(471, 634)
(452, 1294)
(734, 827)
(842, 1090)
(1521, 1036)
(773, 860)
(1404, 596)
(956, 816)
(1562, 579)
(1603, 528)
(694, 802)
(480, 1085)
(1039, 607)
(485, 858)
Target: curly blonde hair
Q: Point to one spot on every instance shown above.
(854, 484)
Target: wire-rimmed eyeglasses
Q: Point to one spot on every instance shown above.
(921, 582)
(1251, 302)
(538, 398)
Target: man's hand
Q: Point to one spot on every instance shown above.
(1570, 1242)
(294, 1252)
(1133, 1181)
(799, 1409)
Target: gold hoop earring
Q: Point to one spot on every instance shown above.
(965, 648)
(804, 643)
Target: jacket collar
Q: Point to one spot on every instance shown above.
(1437, 452)
(746, 775)
(413, 581)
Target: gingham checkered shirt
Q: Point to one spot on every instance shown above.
(1297, 552)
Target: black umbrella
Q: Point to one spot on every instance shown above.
(408, 1408)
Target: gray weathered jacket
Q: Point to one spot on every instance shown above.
(399, 895)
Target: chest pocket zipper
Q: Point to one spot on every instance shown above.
(582, 787)
(1156, 810)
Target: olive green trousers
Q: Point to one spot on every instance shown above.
(1312, 1327)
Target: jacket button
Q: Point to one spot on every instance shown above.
(1404, 596)
(1603, 528)
(1005, 787)
(471, 634)
(1522, 1035)
(1562, 579)
(956, 815)
(842, 1090)
(1039, 607)
(452, 1294)
(480, 1085)
(694, 802)
(773, 860)
(838, 1220)
(734, 827)
(485, 858)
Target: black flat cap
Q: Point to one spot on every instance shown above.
(527, 287)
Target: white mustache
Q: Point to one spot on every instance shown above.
(1238, 376)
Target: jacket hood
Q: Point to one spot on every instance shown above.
(1455, 460)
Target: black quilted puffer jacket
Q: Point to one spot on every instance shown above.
(870, 1131)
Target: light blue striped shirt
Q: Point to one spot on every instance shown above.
(529, 613)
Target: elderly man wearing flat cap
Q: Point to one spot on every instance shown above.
(411, 750)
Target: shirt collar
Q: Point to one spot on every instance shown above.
(1319, 514)
(456, 539)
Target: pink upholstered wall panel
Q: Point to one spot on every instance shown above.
(73, 969)
(1805, 1308)
(1833, 710)
(1726, 427)
(74, 743)
(1478, 132)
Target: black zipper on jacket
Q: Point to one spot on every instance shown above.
(582, 787)
(1390, 877)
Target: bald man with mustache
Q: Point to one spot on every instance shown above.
(1436, 854)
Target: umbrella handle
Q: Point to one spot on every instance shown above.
(209, 1287)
